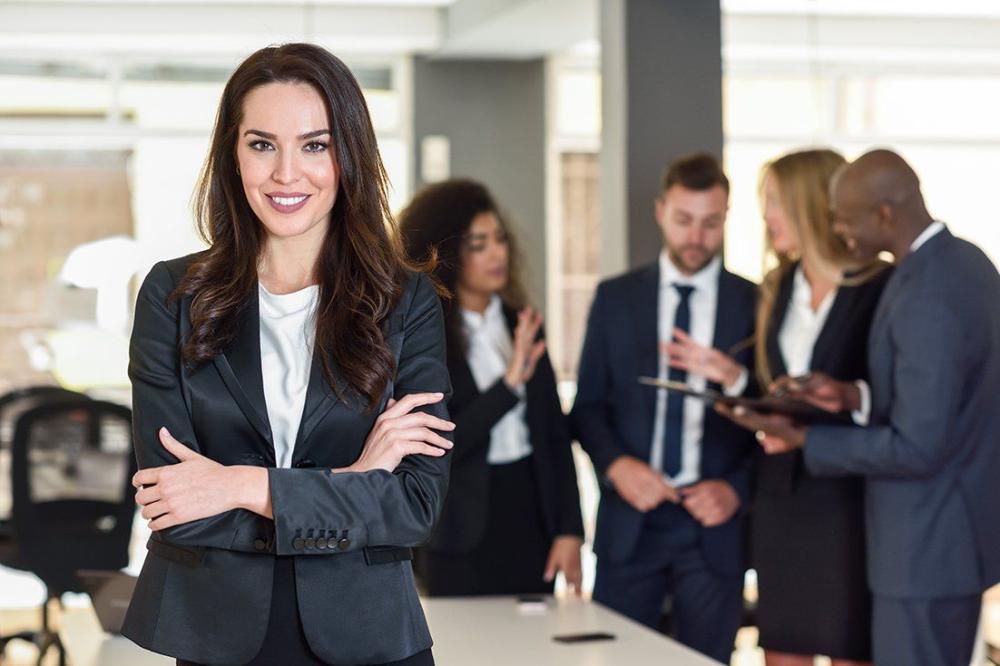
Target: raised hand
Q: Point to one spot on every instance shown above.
(526, 351)
(694, 358)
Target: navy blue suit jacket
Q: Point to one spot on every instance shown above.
(613, 414)
(931, 454)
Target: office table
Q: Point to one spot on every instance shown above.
(493, 631)
(485, 632)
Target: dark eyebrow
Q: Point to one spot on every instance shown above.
(272, 137)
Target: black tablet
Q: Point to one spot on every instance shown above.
(799, 410)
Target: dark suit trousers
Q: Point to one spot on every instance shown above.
(285, 641)
(931, 632)
(667, 561)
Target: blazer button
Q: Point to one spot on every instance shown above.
(321, 543)
(310, 542)
(344, 544)
(298, 542)
(260, 544)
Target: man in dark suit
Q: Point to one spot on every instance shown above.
(674, 476)
(932, 450)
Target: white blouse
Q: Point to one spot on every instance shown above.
(490, 349)
(802, 325)
(287, 336)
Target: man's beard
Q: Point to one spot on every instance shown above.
(677, 256)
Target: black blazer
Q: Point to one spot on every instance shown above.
(463, 519)
(841, 351)
(205, 590)
(613, 414)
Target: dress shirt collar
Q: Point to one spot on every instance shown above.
(933, 229)
(706, 280)
(491, 317)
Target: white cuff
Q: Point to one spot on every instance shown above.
(739, 385)
(862, 415)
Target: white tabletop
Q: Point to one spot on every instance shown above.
(485, 631)
(495, 631)
(88, 645)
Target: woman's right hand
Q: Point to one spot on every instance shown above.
(526, 351)
(401, 432)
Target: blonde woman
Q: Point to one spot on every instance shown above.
(807, 533)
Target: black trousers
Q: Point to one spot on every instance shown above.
(285, 641)
(667, 561)
(515, 548)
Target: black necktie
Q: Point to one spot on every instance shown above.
(673, 432)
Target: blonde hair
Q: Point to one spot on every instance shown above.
(803, 182)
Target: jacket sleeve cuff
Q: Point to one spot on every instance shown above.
(307, 533)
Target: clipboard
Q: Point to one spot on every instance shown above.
(799, 410)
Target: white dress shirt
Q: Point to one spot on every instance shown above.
(489, 352)
(702, 303)
(802, 325)
(287, 336)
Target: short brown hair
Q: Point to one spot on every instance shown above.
(698, 171)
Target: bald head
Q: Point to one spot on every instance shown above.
(877, 204)
(882, 176)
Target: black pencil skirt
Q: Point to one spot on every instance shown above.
(808, 547)
(285, 642)
(511, 557)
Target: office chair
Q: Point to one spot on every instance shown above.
(73, 500)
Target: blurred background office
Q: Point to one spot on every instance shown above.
(567, 109)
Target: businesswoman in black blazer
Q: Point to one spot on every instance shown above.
(807, 532)
(511, 519)
(288, 393)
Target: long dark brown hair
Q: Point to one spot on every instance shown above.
(434, 225)
(361, 267)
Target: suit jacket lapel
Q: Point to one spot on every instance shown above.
(784, 297)
(320, 398)
(240, 369)
(645, 324)
(836, 320)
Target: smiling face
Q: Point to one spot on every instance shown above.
(288, 168)
(856, 219)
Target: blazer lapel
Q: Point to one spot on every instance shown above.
(836, 320)
(320, 398)
(645, 321)
(784, 297)
(239, 367)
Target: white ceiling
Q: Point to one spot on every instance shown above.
(757, 33)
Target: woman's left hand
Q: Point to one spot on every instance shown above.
(565, 556)
(196, 487)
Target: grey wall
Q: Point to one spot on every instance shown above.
(662, 63)
(493, 113)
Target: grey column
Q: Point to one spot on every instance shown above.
(493, 115)
(661, 65)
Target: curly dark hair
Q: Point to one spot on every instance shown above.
(362, 266)
(434, 226)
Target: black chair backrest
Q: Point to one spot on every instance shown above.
(73, 500)
(14, 402)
